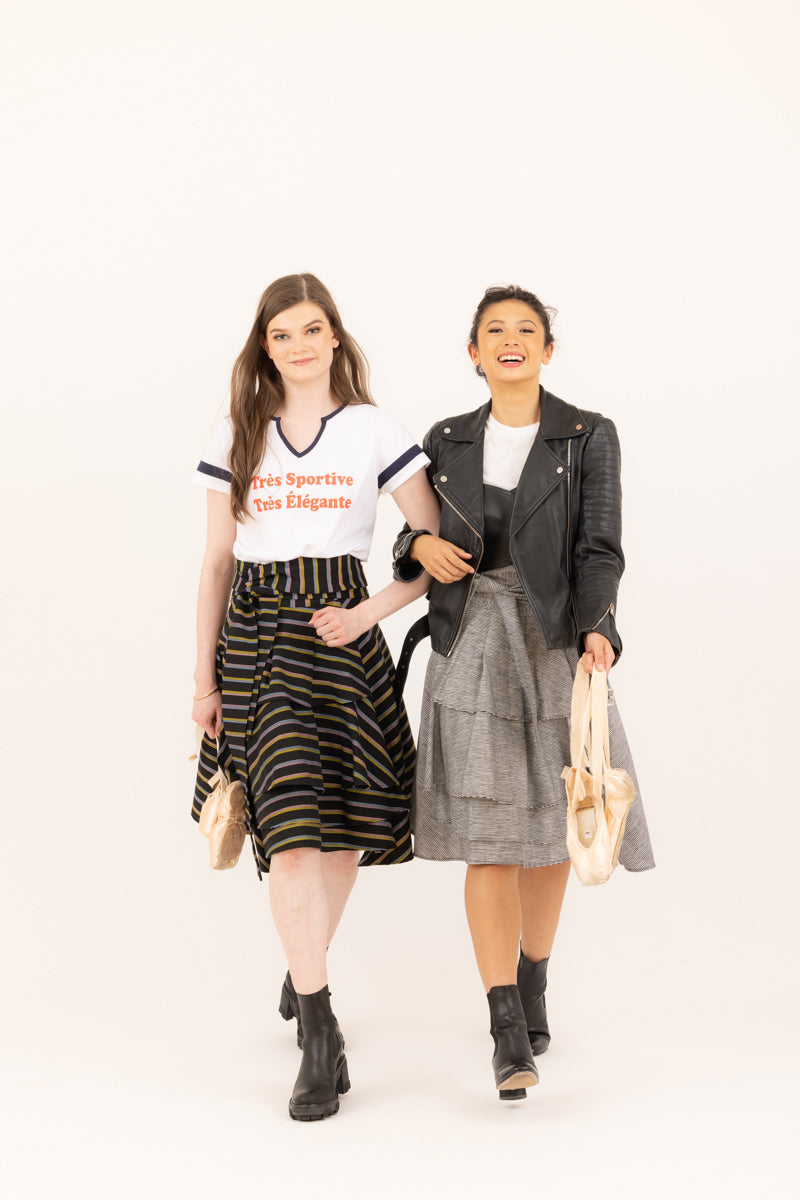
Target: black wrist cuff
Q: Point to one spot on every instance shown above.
(404, 568)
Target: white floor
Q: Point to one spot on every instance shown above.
(656, 1111)
(143, 1054)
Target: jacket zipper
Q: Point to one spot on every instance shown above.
(569, 509)
(569, 531)
(610, 609)
(469, 525)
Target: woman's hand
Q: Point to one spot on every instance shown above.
(599, 653)
(340, 626)
(208, 714)
(443, 560)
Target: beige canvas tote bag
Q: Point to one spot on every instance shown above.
(598, 795)
(222, 817)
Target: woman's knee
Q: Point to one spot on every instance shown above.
(492, 871)
(341, 862)
(301, 861)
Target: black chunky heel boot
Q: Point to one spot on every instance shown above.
(323, 1074)
(514, 1068)
(290, 1009)
(532, 981)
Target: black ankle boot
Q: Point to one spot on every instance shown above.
(323, 1073)
(290, 1009)
(514, 1068)
(532, 981)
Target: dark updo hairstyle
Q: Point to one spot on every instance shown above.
(495, 295)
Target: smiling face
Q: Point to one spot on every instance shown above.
(510, 344)
(300, 341)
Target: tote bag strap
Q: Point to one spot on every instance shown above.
(599, 755)
(199, 734)
(580, 715)
(223, 774)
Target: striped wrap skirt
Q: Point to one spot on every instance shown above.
(315, 733)
(494, 738)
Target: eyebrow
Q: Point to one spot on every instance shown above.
(308, 324)
(524, 321)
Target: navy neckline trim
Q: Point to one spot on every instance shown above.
(323, 422)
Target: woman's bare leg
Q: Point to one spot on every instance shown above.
(339, 874)
(541, 894)
(300, 910)
(492, 902)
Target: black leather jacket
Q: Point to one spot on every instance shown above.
(565, 527)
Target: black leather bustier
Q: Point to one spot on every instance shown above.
(497, 507)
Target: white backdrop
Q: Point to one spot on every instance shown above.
(634, 164)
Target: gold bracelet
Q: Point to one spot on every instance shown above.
(211, 693)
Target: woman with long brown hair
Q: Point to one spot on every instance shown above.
(526, 568)
(294, 685)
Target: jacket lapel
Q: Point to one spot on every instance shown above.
(545, 468)
(460, 480)
(543, 471)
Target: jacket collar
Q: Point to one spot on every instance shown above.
(468, 427)
(561, 420)
(558, 420)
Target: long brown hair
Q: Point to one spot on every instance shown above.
(257, 387)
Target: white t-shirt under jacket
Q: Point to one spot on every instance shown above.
(505, 449)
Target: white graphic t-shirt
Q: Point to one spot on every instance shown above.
(322, 502)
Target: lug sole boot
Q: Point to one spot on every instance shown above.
(323, 1075)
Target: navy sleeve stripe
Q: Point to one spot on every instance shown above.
(398, 465)
(218, 473)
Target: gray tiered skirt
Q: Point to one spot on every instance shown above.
(494, 738)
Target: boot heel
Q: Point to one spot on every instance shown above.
(343, 1080)
(285, 1006)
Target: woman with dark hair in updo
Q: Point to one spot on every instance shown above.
(526, 564)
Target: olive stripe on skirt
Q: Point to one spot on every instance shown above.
(314, 732)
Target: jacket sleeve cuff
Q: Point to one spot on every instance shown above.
(404, 568)
(608, 628)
